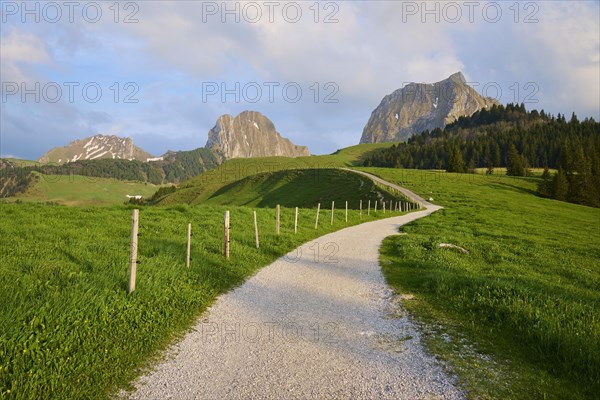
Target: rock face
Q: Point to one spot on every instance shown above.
(96, 147)
(420, 106)
(250, 134)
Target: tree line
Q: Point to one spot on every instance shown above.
(516, 139)
(176, 167)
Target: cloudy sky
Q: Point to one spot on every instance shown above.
(162, 72)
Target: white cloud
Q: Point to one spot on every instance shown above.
(354, 52)
(565, 49)
(368, 53)
(19, 51)
(23, 47)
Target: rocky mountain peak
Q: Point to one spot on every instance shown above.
(96, 147)
(250, 134)
(422, 106)
(458, 77)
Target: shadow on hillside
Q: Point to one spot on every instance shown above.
(514, 188)
(302, 188)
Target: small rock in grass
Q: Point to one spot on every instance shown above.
(453, 246)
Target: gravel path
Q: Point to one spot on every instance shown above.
(411, 195)
(319, 323)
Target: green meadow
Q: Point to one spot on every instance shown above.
(77, 190)
(518, 317)
(203, 187)
(514, 318)
(68, 327)
(301, 188)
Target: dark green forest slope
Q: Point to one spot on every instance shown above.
(511, 137)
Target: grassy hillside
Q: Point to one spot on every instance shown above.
(174, 167)
(355, 155)
(69, 328)
(302, 188)
(82, 190)
(526, 296)
(515, 318)
(18, 162)
(199, 189)
(74, 189)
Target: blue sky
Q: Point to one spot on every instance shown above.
(168, 69)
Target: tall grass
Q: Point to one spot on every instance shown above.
(69, 330)
(528, 291)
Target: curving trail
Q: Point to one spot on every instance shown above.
(411, 195)
(319, 323)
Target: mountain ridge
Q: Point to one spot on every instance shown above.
(417, 107)
(96, 147)
(250, 134)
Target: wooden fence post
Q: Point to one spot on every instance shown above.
(296, 221)
(317, 219)
(226, 231)
(189, 244)
(277, 215)
(375, 206)
(332, 208)
(360, 209)
(134, 248)
(346, 210)
(369, 209)
(383, 207)
(256, 230)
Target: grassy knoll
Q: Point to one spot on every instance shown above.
(69, 330)
(83, 190)
(303, 188)
(518, 317)
(197, 190)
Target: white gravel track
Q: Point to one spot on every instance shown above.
(312, 325)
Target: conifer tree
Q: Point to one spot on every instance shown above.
(545, 186)
(456, 163)
(560, 186)
(514, 162)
